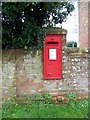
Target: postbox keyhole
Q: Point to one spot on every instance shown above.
(49, 74)
(52, 38)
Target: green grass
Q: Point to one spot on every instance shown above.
(31, 109)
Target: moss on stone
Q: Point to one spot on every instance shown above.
(55, 30)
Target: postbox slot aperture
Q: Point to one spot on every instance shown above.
(50, 43)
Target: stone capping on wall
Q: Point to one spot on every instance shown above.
(81, 55)
(56, 30)
(76, 50)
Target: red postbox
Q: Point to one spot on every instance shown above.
(53, 56)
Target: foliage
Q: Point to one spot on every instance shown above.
(23, 22)
(47, 96)
(71, 44)
(38, 96)
(71, 95)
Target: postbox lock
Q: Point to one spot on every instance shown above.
(52, 38)
(49, 74)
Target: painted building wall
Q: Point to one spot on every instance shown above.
(83, 24)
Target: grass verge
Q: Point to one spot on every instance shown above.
(39, 109)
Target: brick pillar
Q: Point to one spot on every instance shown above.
(83, 24)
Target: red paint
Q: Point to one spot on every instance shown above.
(52, 62)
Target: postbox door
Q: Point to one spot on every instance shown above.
(52, 63)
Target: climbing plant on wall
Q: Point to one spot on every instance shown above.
(23, 22)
